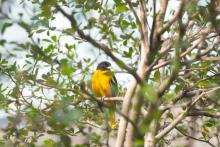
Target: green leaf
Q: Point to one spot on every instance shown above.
(40, 31)
(169, 96)
(46, 7)
(25, 26)
(2, 42)
(133, 25)
(49, 48)
(48, 79)
(170, 115)
(105, 28)
(157, 75)
(218, 22)
(128, 54)
(148, 92)
(204, 84)
(118, 2)
(139, 142)
(69, 30)
(65, 68)
(46, 40)
(121, 8)
(49, 143)
(79, 145)
(54, 38)
(92, 4)
(178, 88)
(5, 26)
(211, 123)
(125, 24)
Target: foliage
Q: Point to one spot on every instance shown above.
(45, 77)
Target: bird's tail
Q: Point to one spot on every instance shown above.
(112, 120)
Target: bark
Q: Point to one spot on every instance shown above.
(132, 88)
(149, 139)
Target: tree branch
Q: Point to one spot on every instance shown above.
(125, 109)
(205, 52)
(191, 93)
(182, 115)
(214, 14)
(203, 113)
(145, 61)
(173, 19)
(191, 137)
(135, 14)
(145, 53)
(145, 50)
(212, 59)
(166, 83)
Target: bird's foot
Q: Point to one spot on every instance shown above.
(103, 98)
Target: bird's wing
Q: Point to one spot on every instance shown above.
(114, 86)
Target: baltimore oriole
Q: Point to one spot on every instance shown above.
(104, 84)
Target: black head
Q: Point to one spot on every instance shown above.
(105, 65)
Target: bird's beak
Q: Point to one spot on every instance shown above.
(109, 68)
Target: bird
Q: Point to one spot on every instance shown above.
(104, 84)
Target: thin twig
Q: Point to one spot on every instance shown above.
(182, 115)
(191, 137)
(173, 19)
(203, 113)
